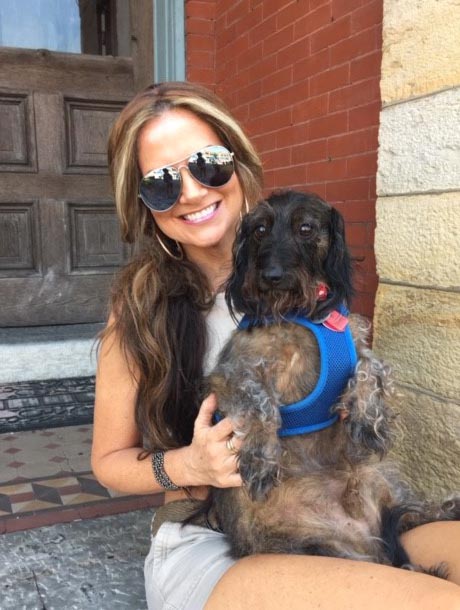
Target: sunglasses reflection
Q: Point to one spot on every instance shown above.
(201, 165)
(168, 180)
(211, 166)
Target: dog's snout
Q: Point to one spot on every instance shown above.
(273, 274)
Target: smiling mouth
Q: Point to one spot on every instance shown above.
(202, 214)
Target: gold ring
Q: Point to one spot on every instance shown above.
(230, 446)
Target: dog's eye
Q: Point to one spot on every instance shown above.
(260, 231)
(305, 229)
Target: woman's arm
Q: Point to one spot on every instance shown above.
(117, 441)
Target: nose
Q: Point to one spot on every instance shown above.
(273, 274)
(192, 190)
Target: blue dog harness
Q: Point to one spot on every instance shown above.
(338, 359)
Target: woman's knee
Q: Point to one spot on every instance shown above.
(435, 543)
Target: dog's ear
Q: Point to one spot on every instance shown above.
(337, 265)
(234, 286)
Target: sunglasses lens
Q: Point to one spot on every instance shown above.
(212, 166)
(160, 189)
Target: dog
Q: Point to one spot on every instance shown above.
(326, 490)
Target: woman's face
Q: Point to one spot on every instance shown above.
(202, 217)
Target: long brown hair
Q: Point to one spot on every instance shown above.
(158, 302)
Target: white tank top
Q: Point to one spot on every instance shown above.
(220, 326)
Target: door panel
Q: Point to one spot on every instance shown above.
(19, 246)
(59, 237)
(17, 148)
(87, 126)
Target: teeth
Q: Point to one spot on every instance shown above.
(196, 216)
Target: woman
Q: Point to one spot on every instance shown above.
(168, 321)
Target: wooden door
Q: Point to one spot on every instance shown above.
(59, 238)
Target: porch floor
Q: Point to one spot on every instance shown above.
(89, 564)
(65, 540)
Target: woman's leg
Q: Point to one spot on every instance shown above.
(434, 543)
(266, 582)
(294, 581)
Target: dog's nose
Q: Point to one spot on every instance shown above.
(273, 274)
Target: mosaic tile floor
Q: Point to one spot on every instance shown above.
(46, 478)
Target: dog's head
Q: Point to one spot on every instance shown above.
(287, 247)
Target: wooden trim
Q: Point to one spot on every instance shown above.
(142, 42)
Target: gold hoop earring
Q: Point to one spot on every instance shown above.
(177, 257)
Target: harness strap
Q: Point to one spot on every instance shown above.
(338, 360)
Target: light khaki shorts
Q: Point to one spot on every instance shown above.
(183, 566)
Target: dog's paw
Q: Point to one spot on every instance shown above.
(450, 509)
(365, 407)
(260, 475)
(260, 487)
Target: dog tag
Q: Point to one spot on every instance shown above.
(321, 292)
(336, 321)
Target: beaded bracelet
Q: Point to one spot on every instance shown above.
(158, 465)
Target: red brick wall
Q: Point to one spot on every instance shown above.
(303, 78)
(201, 43)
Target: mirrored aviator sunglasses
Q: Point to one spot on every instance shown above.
(211, 166)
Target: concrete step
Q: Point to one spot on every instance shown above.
(94, 563)
(48, 352)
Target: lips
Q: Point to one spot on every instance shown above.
(202, 215)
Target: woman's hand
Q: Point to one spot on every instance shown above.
(210, 460)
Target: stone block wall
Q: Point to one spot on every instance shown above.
(417, 240)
